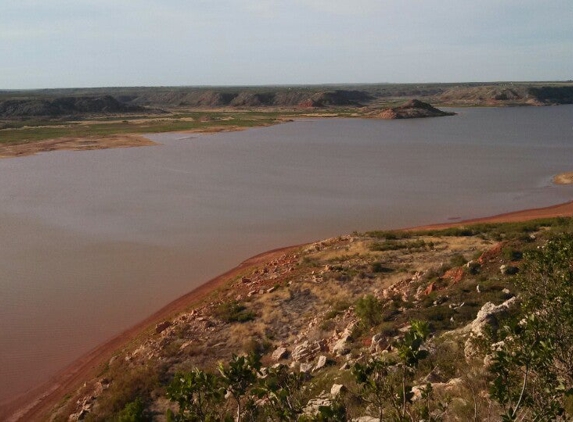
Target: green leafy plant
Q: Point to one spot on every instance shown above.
(532, 355)
(385, 383)
(198, 395)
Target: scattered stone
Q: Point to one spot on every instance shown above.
(305, 368)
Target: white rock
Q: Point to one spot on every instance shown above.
(279, 353)
(321, 363)
(337, 389)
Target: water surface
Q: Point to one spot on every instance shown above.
(93, 242)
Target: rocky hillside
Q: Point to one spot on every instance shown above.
(65, 106)
(364, 327)
(412, 109)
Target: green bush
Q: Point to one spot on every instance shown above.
(369, 310)
(134, 412)
(234, 312)
(379, 267)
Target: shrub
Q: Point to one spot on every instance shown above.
(457, 260)
(134, 412)
(379, 267)
(234, 312)
(369, 310)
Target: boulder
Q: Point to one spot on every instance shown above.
(279, 353)
(321, 363)
(337, 389)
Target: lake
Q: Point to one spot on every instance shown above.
(93, 242)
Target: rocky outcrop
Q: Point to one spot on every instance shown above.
(413, 109)
(488, 315)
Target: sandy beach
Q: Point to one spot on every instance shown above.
(36, 403)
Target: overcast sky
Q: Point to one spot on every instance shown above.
(87, 43)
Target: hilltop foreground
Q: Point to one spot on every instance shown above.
(399, 324)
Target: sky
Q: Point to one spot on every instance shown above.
(96, 43)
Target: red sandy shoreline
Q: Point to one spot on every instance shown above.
(36, 404)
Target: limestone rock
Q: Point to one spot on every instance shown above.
(487, 315)
(306, 351)
(341, 348)
(279, 353)
(321, 363)
(337, 389)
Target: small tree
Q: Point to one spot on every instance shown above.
(238, 377)
(533, 362)
(134, 412)
(198, 394)
(281, 390)
(385, 382)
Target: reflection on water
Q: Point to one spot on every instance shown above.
(94, 241)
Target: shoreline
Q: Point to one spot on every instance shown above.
(34, 404)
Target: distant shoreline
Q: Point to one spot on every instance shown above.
(35, 404)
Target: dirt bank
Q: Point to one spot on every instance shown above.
(74, 144)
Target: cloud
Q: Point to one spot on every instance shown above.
(343, 7)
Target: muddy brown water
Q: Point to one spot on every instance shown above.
(93, 242)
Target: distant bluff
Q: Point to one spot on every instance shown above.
(373, 97)
(281, 97)
(65, 106)
(413, 109)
